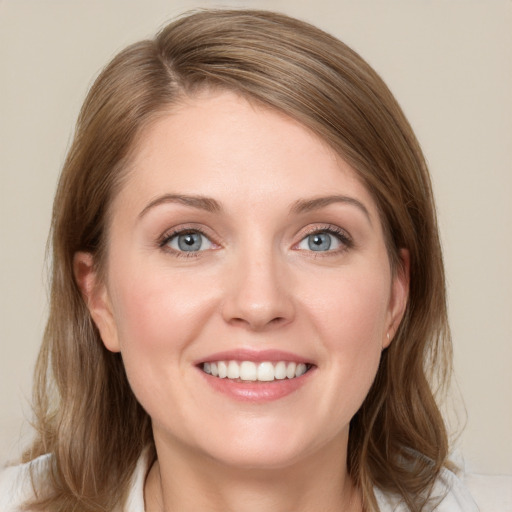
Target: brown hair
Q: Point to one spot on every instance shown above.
(86, 414)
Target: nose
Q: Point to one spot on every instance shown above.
(258, 293)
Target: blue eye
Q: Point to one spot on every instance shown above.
(320, 242)
(192, 241)
(323, 241)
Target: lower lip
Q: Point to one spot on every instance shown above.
(257, 391)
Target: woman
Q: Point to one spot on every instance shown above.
(248, 304)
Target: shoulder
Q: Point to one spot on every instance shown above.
(16, 483)
(450, 494)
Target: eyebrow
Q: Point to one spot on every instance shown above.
(211, 205)
(308, 205)
(203, 203)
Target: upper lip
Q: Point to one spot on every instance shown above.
(257, 356)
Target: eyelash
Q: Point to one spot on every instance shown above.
(168, 236)
(340, 234)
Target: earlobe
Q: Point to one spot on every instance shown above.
(97, 299)
(399, 296)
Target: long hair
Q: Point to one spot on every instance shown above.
(86, 414)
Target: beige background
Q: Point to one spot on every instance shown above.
(450, 65)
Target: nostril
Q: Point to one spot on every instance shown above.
(258, 323)
(257, 307)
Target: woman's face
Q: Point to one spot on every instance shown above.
(241, 244)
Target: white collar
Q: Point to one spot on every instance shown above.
(135, 499)
(456, 497)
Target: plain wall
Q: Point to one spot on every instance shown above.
(448, 62)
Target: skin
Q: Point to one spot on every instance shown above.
(256, 285)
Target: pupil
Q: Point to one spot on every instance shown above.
(190, 242)
(320, 242)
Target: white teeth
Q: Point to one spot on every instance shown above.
(223, 369)
(266, 372)
(290, 370)
(280, 370)
(250, 371)
(233, 370)
(301, 370)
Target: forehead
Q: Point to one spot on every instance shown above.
(219, 143)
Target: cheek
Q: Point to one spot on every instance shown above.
(351, 322)
(358, 333)
(158, 310)
(157, 316)
(353, 312)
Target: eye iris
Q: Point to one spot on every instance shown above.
(319, 242)
(190, 242)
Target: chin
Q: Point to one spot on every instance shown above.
(259, 457)
(264, 446)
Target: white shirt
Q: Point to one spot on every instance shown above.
(16, 487)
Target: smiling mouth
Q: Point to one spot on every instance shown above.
(249, 371)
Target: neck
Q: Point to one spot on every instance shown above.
(178, 483)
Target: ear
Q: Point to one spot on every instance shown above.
(399, 296)
(97, 299)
